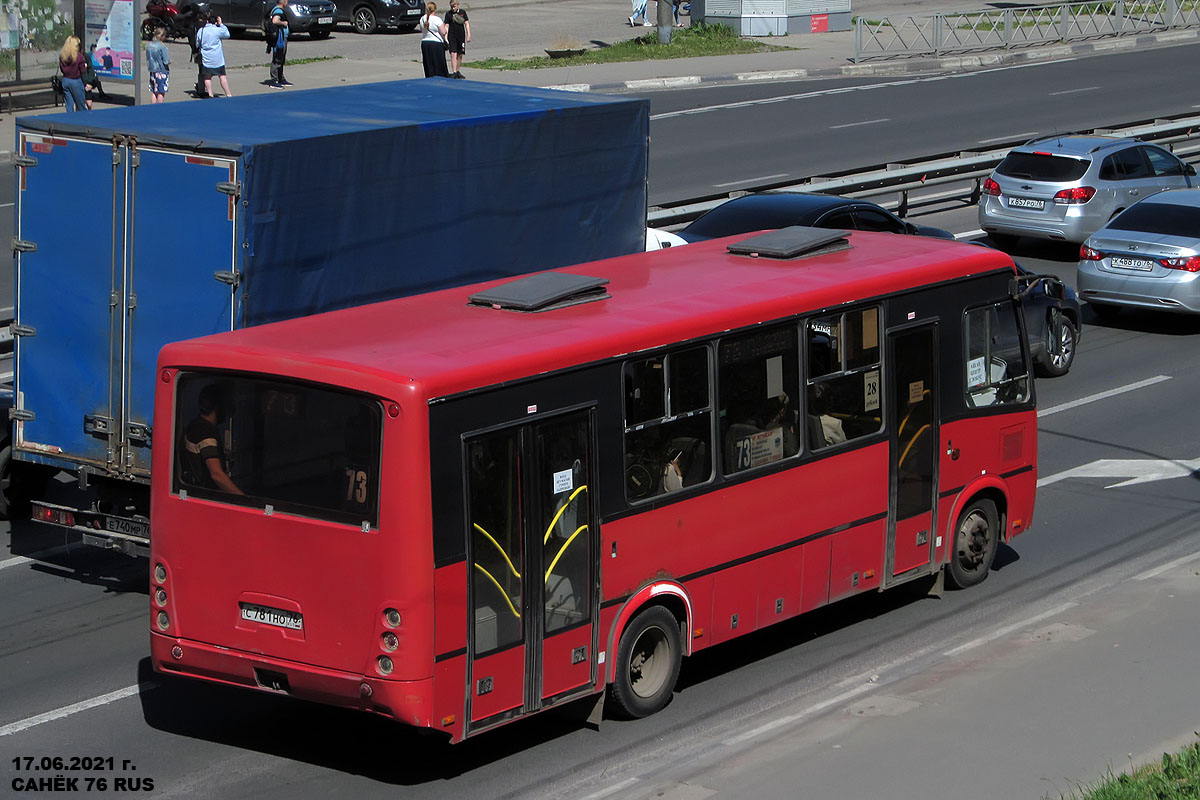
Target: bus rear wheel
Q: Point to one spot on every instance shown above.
(975, 541)
(648, 659)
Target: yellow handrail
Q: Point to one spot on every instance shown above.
(911, 442)
(909, 414)
(503, 593)
(562, 550)
(554, 521)
(479, 528)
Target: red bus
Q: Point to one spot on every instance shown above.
(460, 508)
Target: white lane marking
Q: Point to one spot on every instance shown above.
(750, 180)
(1007, 629)
(790, 718)
(616, 787)
(864, 122)
(7, 205)
(968, 234)
(1045, 412)
(1075, 91)
(14, 562)
(75, 708)
(841, 90)
(1170, 565)
(1008, 138)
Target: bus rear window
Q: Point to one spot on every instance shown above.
(299, 448)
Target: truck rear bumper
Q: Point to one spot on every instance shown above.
(128, 535)
(405, 701)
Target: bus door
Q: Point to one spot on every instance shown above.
(913, 421)
(533, 566)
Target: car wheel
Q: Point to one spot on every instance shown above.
(364, 20)
(1061, 336)
(319, 34)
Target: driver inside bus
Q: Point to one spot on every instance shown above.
(202, 459)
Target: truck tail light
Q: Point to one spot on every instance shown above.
(1075, 196)
(1088, 254)
(55, 516)
(991, 187)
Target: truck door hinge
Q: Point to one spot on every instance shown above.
(22, 330)
(132, 301)
(20, 414)
(113, 299)
(23, 246)
(225, 276)
(22, 161)
(97, 425)
(231, 188)
(137, 432)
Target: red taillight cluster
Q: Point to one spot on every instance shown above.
(1075, 196)
(55, 516)
(1185, 263)
(161, 619)
(991, 187)
(1088, 254)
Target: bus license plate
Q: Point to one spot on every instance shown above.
(1026, 202)
(129, 527)
(324, 20)
(272, 616)
(1132, 263)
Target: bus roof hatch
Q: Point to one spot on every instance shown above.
(544, 291)
(791, 242)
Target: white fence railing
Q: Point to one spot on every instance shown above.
(996, 29)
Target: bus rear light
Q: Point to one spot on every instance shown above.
(390, 642)
(384, 665)
(163, 620)
(1185, 263)
(991, 187)
(393, 410)
(365, 689)
(1074, 196)
(166, 376)
(448, 720)
(160, 573)
(391, 618)
(55, 516)
(160, 596)
(177, 653)
(1088, 254)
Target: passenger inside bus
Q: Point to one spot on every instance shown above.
(202, 459)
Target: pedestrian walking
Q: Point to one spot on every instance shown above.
(459, 33)
(675, 4)
(158, 65)
(433, 42)
(279, 25)
(639, 10)
(73, 64)
(212, 56)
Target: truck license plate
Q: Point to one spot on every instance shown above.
(1026, 202)
(129, 527)
(272, 616)
(324, 20)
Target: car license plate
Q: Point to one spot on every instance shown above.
(324, 20)
(1026, 202)
(272, 616)
(129, 527)
(1132, 263)
(412, 12)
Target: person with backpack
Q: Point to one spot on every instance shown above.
(277, 39)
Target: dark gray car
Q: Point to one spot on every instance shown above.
(314, 17)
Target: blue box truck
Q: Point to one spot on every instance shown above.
(140, 226)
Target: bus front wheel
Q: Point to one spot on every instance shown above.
(975, 541)
(647, 667)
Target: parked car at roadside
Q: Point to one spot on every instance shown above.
(769, 210)
(1066, 187)
(369, 16)
(313, 17)
(1148, 257)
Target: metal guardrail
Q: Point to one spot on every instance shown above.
(994, 29)
(1181, 135)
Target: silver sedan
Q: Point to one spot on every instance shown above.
(1147, 257)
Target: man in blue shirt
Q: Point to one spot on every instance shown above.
(212, 56)
(279, 24)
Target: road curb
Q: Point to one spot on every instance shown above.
(894, 67)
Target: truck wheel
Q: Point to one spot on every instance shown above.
(976, 538)
(647, 663)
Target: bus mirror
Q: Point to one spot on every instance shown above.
(1014, 288)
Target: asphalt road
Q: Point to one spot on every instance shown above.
(74, 627)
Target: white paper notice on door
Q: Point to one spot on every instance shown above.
(564, 481)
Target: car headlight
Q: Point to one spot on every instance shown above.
(300, 9)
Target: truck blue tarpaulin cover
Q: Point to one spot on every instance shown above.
(465, 175)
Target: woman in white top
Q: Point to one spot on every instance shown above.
(433, 43)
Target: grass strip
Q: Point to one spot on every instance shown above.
(1176, 777)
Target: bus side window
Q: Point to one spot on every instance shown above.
(668, 428)
(842, 377)
(759, 381)
(996, 370)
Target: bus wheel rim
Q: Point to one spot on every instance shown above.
(650, 662)
(972, 540)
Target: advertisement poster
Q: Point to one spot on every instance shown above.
(109, 37)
